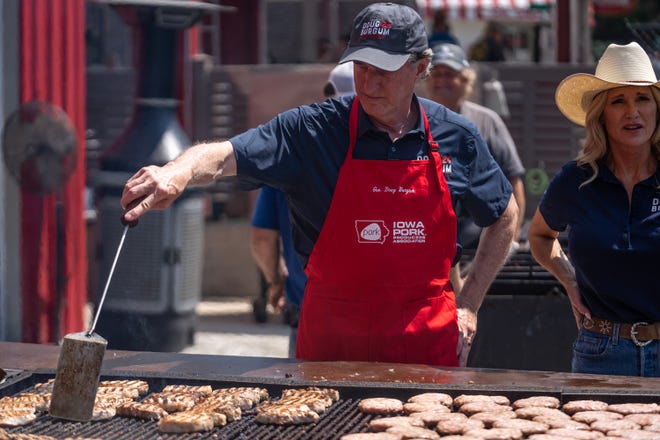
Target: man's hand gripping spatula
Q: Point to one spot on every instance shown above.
(80, 361)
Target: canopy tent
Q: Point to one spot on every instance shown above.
(502, 10)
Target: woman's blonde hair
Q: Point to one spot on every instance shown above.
(595, 144)
(470, 76)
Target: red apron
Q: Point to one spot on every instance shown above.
(378, 277)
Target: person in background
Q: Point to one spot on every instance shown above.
(272, 249)
(340, 81)
(370, 207)
(451, 82)
(609, 198)
(441, 30)
(490, 47)
(270, 232)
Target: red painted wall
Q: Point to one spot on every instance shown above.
(563, 31)
(52, 69)
(239, 33)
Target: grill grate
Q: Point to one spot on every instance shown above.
(520, 274)
(342, 418)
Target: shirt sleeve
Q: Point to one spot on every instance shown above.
(504, 149)
(270, 154)
(475, 180)
(488, 192)
(265, 210)
(296, 144)
(555, 205)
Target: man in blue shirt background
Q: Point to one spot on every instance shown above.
(272, 249)
(270, 235)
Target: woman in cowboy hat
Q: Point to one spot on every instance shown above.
(610, 198)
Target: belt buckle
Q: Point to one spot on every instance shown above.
(587, 323)
(633, 335)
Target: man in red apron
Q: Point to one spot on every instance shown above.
(371, 209)
(389, 297)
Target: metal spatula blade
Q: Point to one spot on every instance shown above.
(78, 375)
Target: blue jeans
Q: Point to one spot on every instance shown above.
(596, 353)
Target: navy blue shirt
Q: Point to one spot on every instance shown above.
(614, 247)
(301, 151)
(271, 211)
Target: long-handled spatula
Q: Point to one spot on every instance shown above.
(80, 361)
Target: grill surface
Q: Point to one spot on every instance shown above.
(341, 418)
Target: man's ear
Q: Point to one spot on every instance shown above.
(422, 67)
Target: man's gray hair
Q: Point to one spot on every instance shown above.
(426, 54)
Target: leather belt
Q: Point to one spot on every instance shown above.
(641, 333)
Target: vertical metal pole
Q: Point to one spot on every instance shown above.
(60, 277)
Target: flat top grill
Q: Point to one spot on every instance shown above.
(289, 372)
(341, 418)
(353, 380)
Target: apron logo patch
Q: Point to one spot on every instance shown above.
(403, 232)
(655, 205)
(371, 231)
(408, 232)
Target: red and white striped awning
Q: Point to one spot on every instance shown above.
(527, 10)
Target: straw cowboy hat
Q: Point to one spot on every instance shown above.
(620, 65)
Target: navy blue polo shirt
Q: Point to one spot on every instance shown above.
(301, 151)
(613, 246)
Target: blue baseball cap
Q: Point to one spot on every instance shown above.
(385, 35)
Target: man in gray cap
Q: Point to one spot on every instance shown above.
(366, 177)
(450, 83)
(340, 81)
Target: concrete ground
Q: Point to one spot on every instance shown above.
(227, 326)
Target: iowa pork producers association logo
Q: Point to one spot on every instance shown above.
(402, 232)
(371, 231)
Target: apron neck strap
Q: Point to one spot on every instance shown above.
(353, 125)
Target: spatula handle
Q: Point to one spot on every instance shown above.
(127, 225)
(107, 282)
(130, 206)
